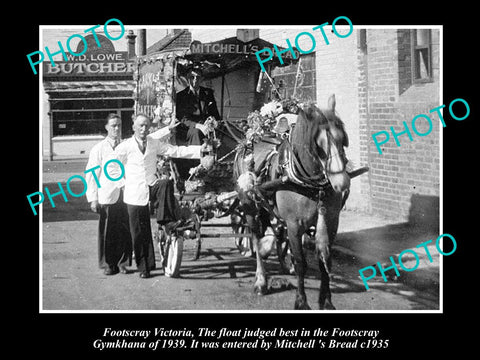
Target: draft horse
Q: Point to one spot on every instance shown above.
(312, 195)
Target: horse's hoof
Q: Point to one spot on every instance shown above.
(327, 306)
(260, 289)
(301, 305)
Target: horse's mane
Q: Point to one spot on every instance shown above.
(309, 122)
(310, 118)
(332, 117)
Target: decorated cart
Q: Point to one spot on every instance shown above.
(208, 188)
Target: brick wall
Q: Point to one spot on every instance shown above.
(380, 77)
(403, 182)
(364, 124)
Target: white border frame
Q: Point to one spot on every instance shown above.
(300, 27)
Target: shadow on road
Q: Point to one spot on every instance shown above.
(76, 208)
(356, 249)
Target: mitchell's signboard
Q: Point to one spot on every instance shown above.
(236, 47)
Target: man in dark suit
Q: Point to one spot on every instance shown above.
(194, 105)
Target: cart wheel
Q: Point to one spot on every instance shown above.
(198, 240)
(244, 244)
(172, 251)
(284, 254)
(192, 244)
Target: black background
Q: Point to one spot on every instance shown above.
(56, 335)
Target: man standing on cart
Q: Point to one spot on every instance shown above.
(194, 105)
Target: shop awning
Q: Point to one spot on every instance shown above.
(90, 87)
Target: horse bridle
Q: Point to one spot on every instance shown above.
(329, 156)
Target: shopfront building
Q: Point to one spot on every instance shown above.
(79, 94)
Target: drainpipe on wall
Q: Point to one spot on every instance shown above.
(142, 42)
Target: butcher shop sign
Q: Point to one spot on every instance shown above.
(95, 61)
(93, 64)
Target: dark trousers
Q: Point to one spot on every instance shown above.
(114, 241)
(163, 201)
(141, 232)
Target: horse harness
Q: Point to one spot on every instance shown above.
(290, 175)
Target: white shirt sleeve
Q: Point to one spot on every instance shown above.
(92, 182)
(185, 152)
(160, 133)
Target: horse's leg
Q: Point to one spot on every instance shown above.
(322, 249)
(260, 287)
(326, 230)
(295, 232)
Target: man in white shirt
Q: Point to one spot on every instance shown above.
(114, 241)
(138, 155)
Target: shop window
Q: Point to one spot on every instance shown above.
(421, 55)
(87, 116)
(87, 104)
(79, 122)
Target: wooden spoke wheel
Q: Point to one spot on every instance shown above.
(243, 244)
(171, 253)
(193, 240)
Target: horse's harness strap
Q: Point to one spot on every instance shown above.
(293, 177)
(267, 163)
(297, 174)
(262, 202)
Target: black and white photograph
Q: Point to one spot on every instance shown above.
(249, 186)
(306, 186)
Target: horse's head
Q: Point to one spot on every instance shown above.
(329, 138)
